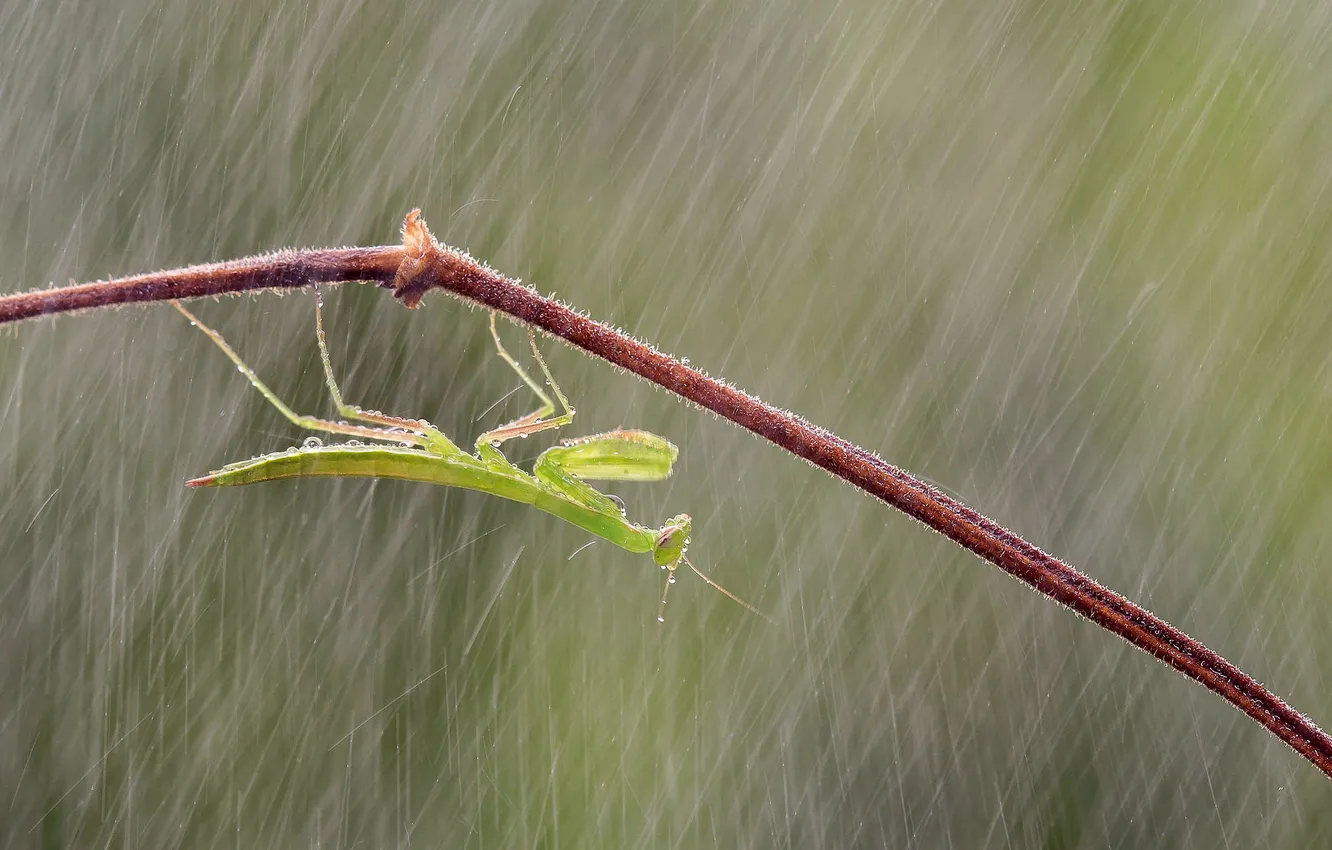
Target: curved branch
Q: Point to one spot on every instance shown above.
(422, 264)
(279, 270)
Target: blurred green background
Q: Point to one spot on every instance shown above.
(1068, 261)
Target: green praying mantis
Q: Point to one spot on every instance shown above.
(415, 450)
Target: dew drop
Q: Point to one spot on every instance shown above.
(312, 443)
(355, 443)
(671, 580)
(660, 618)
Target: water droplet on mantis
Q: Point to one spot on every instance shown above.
(312, 443)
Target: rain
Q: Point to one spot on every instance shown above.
(1067, 262)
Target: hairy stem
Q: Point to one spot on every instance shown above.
(279, 270)
(422, 264)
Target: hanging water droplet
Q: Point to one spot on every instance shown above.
(671, 580)
(312, 443)
(660, 618)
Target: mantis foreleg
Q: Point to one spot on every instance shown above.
(613, 456)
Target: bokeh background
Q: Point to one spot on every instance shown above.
(1068, 261)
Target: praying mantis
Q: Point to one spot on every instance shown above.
(415, 450)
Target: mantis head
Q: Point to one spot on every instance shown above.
(672, 541)
(669, 551)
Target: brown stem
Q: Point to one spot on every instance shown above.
(280, 270)
(423, 264)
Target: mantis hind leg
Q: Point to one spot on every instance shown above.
(539, 419)
(431, 437)
(312, 423)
